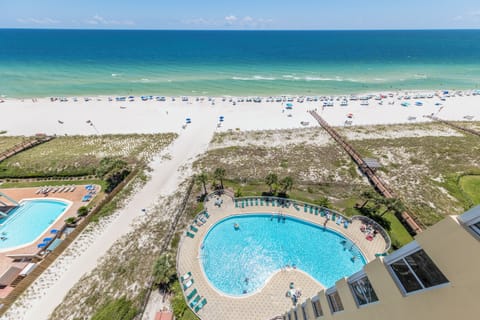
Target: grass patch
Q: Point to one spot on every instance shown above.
(31, 184)
(398, 233)
(471, 187)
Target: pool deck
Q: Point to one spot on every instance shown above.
(30, 193)
(271, 300)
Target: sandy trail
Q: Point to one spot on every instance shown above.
(165, 179)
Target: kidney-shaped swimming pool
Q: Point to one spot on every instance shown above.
(240, 253)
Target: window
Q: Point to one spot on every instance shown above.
(417, 272)
(317, 308)
(476, 228)
(335, 302)
(363, 291)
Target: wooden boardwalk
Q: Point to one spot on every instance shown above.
(24, 146)
(453, 125)
(374, 179)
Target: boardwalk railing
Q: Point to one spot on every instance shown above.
(24, 146)
(375, 180)
(454, 125)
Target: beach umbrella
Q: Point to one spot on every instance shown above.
(41, 245)
(54, 231)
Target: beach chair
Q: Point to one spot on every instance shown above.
(186, 276)
(311, 210)
(267, 202)
(188, 284)
(305, 208)
(236, 203)
(243, 204)
(246, 202)
(207, 215)
(191, 294)
(251, 202)
(316, 211)
(193, 228)
(322, 213)
(261, 202)
(256, 201)
(345, 224)
(72, 188)
(333, 216)
(195, 301)
(274, 202)
(191, 235)
(201, 305)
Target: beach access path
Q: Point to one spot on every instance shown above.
(165, 179)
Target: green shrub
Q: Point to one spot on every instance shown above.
(119, 309)
(82, 211)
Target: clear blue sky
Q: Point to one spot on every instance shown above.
(240, 14)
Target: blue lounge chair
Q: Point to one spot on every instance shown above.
(191, 235)
(186, 276)
(256, 201)
(261, 202)
(207, 215)
(246, 203)
(316, 211)
(243, 204)
(188, 284)
(201, 305)
(311, 210)
(194, 229)
(345, 224)
(305, 208)
(192, 294)
(236, 203)
(268, 202)
(195, 301)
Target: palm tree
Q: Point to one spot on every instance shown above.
(270, 180)
(369, 195)
(163, 271)
(202, 179)
(286, 184)
(219, 174)
(392, 204)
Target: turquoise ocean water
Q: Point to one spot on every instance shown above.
(39, 63)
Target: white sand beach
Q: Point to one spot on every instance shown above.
(27, 117)
(102, 116)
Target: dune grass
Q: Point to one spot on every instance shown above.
(8, 142)
(81, 155)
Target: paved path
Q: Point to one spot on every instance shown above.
(165, 179)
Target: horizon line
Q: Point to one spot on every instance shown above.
(252, 30)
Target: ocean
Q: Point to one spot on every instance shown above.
(43, 63)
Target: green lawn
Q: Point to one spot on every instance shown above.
(51, 183)
(398, 233)
(471, 186)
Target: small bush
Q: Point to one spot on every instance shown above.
(82, 211)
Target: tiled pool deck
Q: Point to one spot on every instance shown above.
(271, 300)
(30, 193)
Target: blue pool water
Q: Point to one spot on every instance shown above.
(263, 245)
(27, 222)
